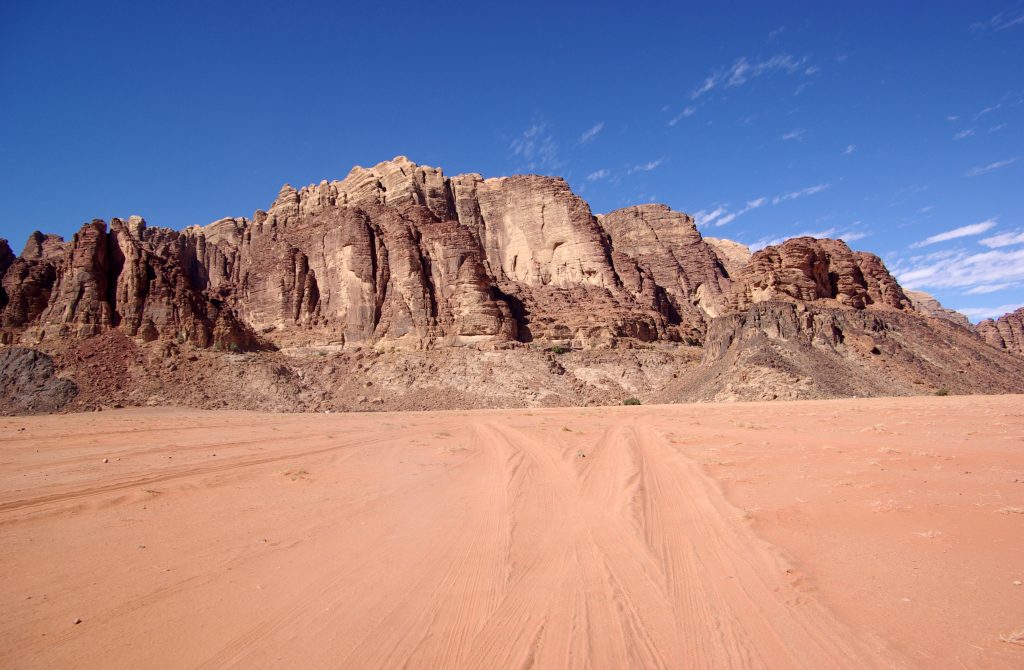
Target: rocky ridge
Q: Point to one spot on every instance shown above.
(459, 279)
(1006, 332)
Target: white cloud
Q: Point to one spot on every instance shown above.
(850, 148)
(962, 231)
(775, 33)
(991, 167)
(810, 190)
(1003, 240)
(952, 118)
(991, 288)
(598, 174)
(537, 147)
(687, 111)
(592, 132)
(743, 71)
(988, 110)
(999, 22)
(978, 313)
(721, 215)
(645, 167)
(795, 134)
(703, 217)
(814, 69)
(996, 127)
(959, 269)
(963, 134)
(832, 233)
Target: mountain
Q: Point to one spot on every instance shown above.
(399, 287)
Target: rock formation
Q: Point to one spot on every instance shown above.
(28, 382)
(465, 276)
(926, 304)
(732, 255)
(806, 269)
(1006, 332)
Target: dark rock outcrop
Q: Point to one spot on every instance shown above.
(28, 383)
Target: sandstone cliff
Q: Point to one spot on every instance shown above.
(927, 304)
(733, 255)
(473, 288)
(1006, 332)
(807, 269)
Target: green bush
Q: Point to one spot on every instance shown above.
(558, 349)
(631, 401)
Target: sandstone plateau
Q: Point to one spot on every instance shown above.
(398, 287)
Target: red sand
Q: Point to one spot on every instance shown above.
(821, 534)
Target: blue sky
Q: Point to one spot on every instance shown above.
(897, 126)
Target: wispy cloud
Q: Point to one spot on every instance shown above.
(991, 288)
(977, 313)
(991, 167)
(963, 134)
(952, 118)
(731, 216)
(775, 33)
(721, 215)
(592, 132)
(795, 134)
(960, 269)
(988, 110)
(645, 167)
(850, 148)
(687, 111)
(742, 71)
(793, 195)
(833, 233)
(1000, 21)
(956, 233)
(704, 218)
(598, 175)
(1003, 240)
(537, 147)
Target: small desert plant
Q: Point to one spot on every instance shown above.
(942, 392)
(631, 401)
(558, 349)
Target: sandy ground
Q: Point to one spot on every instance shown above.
(821, 534)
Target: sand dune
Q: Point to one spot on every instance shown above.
(824, 534)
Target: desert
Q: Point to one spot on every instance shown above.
(843, 533)
(527, 336)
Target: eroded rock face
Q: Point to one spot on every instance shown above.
(399, 252)
(6, 256)
(1006, 332)
(26, 284)
(126, 278)
(665, 246)
(926, 304)
(399, 262)
(807, 269)
(733, 255)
